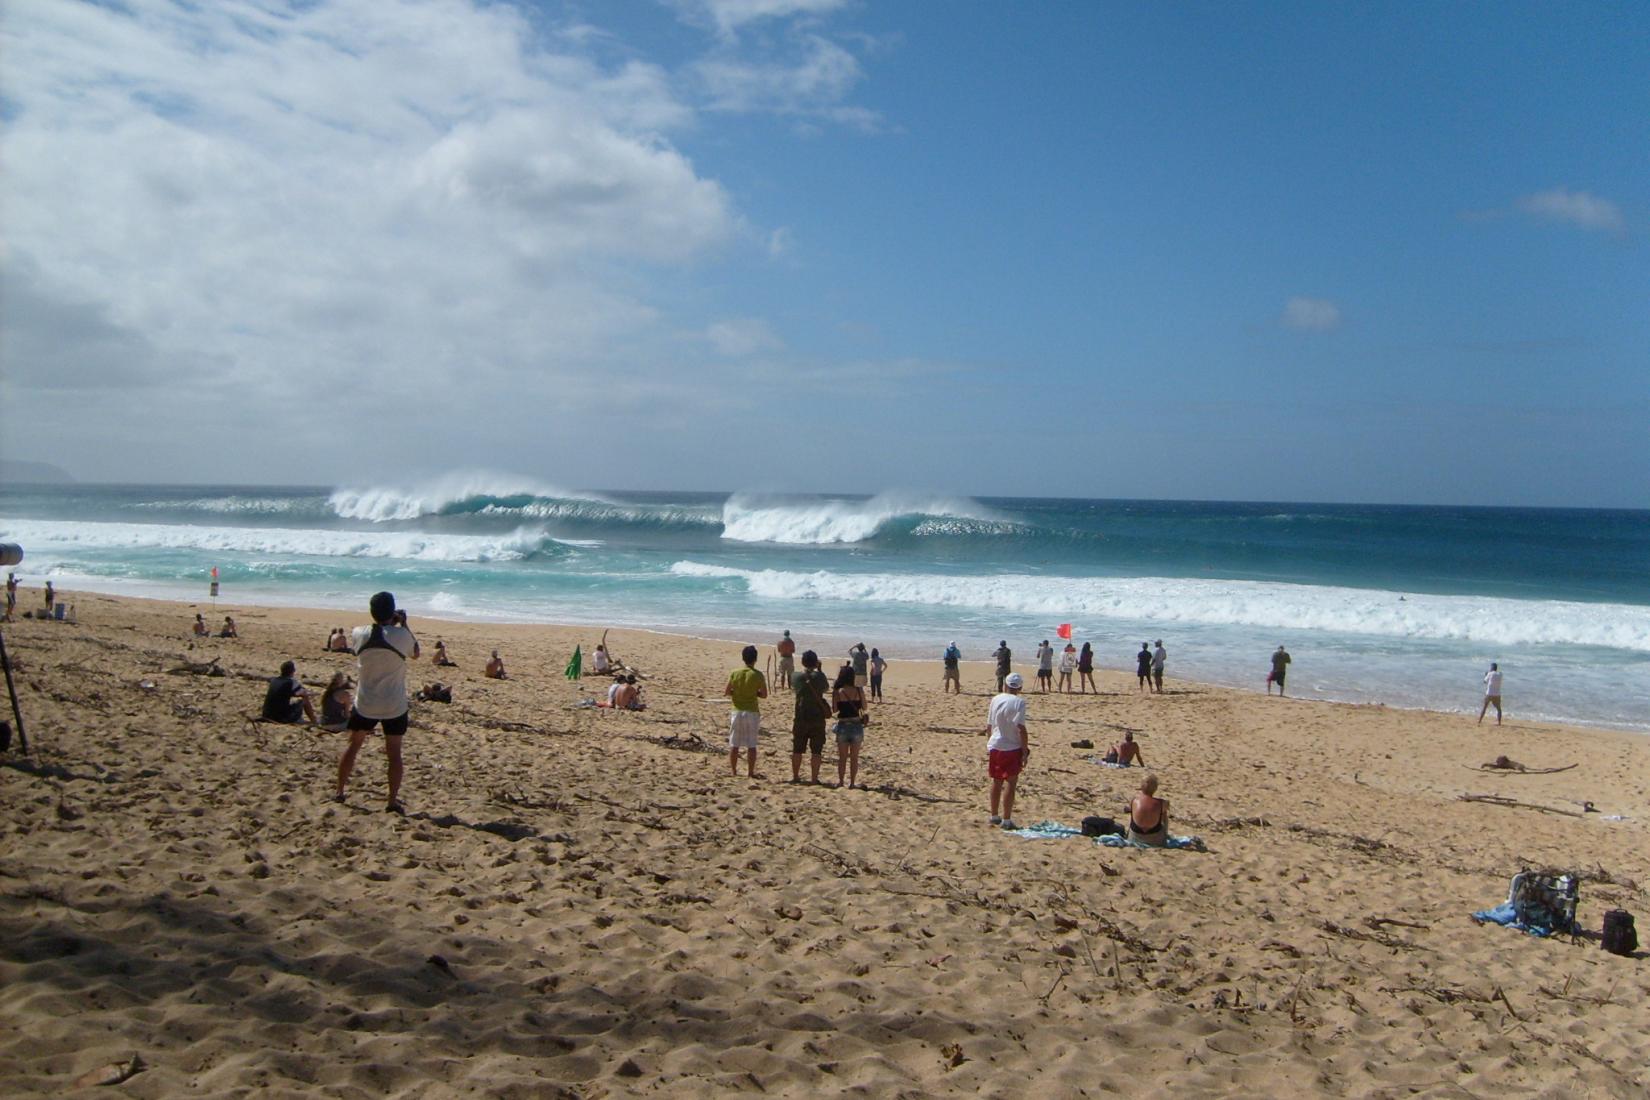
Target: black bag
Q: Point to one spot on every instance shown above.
(1619, 936)
(1101, 826)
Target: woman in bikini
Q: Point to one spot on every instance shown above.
(1149, 815)
(849, 702)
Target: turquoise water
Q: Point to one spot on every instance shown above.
(1402, 605)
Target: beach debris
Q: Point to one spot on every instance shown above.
(789, 912)
(146, 685)
(111, 1074)
(1501, 800)
(197, 668)
(953, 1055)
(1508, 766)
(441, 964)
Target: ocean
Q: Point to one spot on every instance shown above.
(1400, 605)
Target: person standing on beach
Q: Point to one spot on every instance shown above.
(51, 596)
(1280, 669)
(11, 595)
(1068, 663)
(787, 660)
(849, 700)
(1005, 662)
(1008, 749)
(878, 667)
(1492, 693)
(953, 669)
(1085, 669)
(382, 651)
(1143, 666)
(813, 705)
(1045, 667)
(745, 687)
(1159, 655)
(860, 658)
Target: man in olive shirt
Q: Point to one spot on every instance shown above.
(745, 686)
(813, 705)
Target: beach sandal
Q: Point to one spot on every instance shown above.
(1008, 824)
(995, 820)
(339, 798)
(396, 808)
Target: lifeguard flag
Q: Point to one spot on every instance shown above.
(1063, 631)
(575, 666)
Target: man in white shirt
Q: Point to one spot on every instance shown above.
(381, 652)
(1008, 749)
(1492, 693)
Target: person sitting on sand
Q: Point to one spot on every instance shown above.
(199, 626)
(600, 663)
(1127, 751)
(228, 630)
(287, 701)
(849, 700)
(495, 667)
(612, 699)
(629, 696)
(440, 656)
(336, 701)
(1149, 815)
(340, 641)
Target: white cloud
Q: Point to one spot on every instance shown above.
(1315, 314)
(377, 199)
(813, 82)
(742, 336)
(1578, 208)
(728, 16)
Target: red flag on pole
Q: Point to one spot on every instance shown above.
(1064, 631)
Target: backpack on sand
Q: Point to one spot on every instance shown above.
(1620, 938)
(1101, 826)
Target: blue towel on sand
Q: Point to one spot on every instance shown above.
(1104, 763)
(1054, 830)
(1047, 830)
(1182, 843)
(1505, 915)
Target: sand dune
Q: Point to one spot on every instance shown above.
(585, 904)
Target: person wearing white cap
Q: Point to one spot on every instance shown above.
(1008, 749)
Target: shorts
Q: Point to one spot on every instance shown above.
(393, 727)
(1005, 763)
(859, 679)
(952, 675)
(1045, 674)
(849, 733)
(787, 665)
(1277, 676)
(808, 735)
(743, 728)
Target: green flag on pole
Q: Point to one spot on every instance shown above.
(575, 667)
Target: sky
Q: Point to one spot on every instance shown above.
(1380, 252)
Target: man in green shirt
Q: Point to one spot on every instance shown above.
(813, 705)
(745, 686)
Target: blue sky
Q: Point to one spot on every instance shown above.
(1377, 252)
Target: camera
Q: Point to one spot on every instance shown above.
(10, 554)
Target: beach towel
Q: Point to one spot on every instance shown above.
(1181, 843)
(1104, 763)
(1046, 830)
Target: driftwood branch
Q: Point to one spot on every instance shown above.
(1502, 766)
(1500, 800)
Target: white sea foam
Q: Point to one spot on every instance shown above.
(389, 504)
(747, 518)
(231, 505)
(446, 603)
(1354, 611)
(45, 537)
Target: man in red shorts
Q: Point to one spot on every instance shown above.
(1009, 748)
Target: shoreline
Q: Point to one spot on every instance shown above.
(766, 645)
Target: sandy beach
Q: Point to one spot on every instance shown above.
(585, 904)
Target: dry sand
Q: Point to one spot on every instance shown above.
(585, 904)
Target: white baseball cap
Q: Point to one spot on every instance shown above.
(1014, 680)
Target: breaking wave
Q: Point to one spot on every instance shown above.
(1491, 621)
(747, 518)
(522, 544)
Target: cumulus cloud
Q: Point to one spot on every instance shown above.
(1577, 208)
(811, 82)
(1314, 314)
(274, 201)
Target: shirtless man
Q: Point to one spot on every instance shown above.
(200, 628)
(1128, 751)
(495, 667)
(1149, 815)
(787, 660)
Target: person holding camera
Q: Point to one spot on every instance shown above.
(382, 651)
